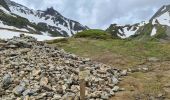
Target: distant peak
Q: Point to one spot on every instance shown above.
(51, 11)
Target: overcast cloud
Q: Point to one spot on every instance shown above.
(100, 13)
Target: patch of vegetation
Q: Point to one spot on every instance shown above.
(93, 33)
(143, 33)
(161, 32)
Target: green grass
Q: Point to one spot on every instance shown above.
(93, 33)
(161, 32)
(132, 52)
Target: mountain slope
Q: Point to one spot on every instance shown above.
(124, 31)
(157, 27)
(36, 21)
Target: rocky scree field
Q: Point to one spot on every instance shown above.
(32, 70)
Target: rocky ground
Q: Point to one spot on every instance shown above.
(32, 70)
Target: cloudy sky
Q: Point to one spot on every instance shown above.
(100, 13)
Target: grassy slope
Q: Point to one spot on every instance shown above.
(130, 50)
(125, 54)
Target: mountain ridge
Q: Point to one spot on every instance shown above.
(156, 27)
(50, 20)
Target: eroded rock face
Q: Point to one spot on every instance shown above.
(34, 70)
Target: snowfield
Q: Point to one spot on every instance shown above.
(153, 31)
(6, 34)
(127, 33)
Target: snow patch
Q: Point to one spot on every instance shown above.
(153, 31)
(31, 28)
(6, 34)
(143, 23)
(127, 33)
(11, 27)
(163, 9)
(164, 19)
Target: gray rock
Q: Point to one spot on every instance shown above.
(115, 89)
(28, 92)
(123, 72)
(6, 81)
(18, 90)
(56, 97)
(104, 96)
(114, 80)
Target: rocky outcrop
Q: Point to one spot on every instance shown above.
(32, 70)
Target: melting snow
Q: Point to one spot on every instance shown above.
(127, 32)
(143, 23)
(5, 11)
(153, 31)
(11, 27)
(6, 34)
(164, 19)
(31, 28)
(164, 8)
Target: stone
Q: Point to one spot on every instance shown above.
(41, 96)
(116, 89)
(27, 98)
(18, 90)
(56, 97)
(6, 81)
(36, 72)
(2, 92)
(44, 81)
(145, 69)
(28, 92)
(123, 72)
(104, 96)
(114, 80)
